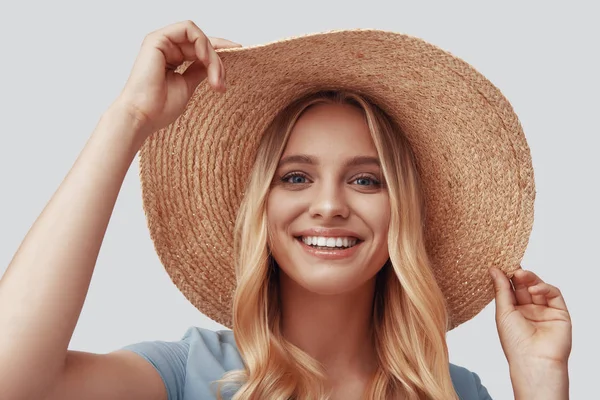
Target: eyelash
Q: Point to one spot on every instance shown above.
(285, 178)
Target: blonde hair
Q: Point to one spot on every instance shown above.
(409, 313)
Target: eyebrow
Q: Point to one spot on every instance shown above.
(306, 159)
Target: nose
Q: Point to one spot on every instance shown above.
(329, 202)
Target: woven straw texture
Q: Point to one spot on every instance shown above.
(471, 152)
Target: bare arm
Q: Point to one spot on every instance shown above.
(121, 375)
(44, 287)
(540, 380)
(43, 290)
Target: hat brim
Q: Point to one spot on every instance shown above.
(473, 158)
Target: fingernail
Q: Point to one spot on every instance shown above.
(493, 273)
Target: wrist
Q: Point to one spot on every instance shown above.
(125, 123)
(540, 379)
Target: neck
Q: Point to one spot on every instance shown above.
(333, 329)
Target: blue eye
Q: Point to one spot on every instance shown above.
(367, 181)
(294, 178)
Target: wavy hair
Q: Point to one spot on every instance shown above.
(409, 311)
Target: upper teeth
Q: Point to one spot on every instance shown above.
(329, 241)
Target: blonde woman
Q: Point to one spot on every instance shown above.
(338, 295)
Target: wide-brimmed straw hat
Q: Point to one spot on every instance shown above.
(471, 152)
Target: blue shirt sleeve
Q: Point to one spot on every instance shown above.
(191, 366)
(468, 384)
(481, 390)
(169, 359)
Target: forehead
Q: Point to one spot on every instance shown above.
(331, 131)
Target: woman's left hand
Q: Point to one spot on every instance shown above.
(533, 322)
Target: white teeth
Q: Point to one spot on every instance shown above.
(322, 241)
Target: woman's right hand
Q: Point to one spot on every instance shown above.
(155, 95)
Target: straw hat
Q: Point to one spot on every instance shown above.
(471, 152)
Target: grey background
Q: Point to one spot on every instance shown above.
(63, 63)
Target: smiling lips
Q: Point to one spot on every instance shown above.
(329, 244)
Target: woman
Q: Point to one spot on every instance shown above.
(342, 304)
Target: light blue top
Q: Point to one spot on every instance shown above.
(189, 366)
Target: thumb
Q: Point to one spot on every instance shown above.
(505, 297)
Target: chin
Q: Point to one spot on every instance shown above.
(328, 281)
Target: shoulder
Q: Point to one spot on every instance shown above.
(467, 384)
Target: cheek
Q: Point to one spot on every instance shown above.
(278, 220)
(376, 214)
(282, 209)
(382, 219)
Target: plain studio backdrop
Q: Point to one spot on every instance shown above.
(64, 62)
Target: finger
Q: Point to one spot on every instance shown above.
(537, 299)
(177, 53)
(220, 43)
(522, 280)
(185, 33)
(211, 60)
(186, 51)
(194, 73)
(179, 38)
(220, 74)
(551, 293)
(505, 298)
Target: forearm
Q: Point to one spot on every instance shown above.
(543, 381)
(43, 289)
